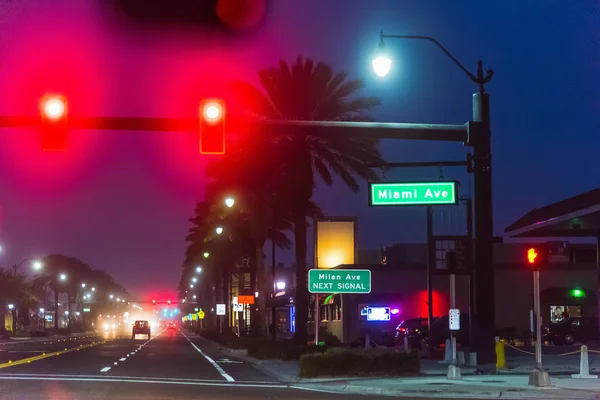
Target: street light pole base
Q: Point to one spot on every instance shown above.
(539, 378)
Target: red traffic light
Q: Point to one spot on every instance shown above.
(53, 128)
(212, 127)
(169, 302)
(153, 301)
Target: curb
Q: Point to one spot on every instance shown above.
(20, 340)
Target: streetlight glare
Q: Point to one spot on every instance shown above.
(198, 269)
(219, 230)
(37, 265)
(382, 65)
(194, 280)
(229, 202)
(63, 277)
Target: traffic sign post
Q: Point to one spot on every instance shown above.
(339, 281)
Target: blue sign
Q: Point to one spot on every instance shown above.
(378, 314)
(292, 319)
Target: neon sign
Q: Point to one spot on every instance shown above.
(378, 313)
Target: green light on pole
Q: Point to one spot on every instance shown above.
(577, 293)
(206, 254)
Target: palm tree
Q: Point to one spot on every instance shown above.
(311, 91)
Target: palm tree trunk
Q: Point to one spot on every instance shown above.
(301, 301)
(259, 322)
(56, 309)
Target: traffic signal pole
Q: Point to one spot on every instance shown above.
(474, 133)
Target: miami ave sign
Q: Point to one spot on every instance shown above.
(339, 281)
(413, 193)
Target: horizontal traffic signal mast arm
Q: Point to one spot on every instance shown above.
(383, 130)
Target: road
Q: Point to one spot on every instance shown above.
(172, 365)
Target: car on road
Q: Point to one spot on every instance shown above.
(141, 328)
(171, 325)
(571, 330)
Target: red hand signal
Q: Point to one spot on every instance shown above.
(531, 255)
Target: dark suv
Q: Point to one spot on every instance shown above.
(141, 328)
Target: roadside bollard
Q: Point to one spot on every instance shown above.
(447, 353)
(584, 365)
(500, 356)
(461, 358)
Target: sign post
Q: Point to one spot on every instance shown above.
(454, 315)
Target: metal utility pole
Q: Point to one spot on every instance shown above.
(273, 308)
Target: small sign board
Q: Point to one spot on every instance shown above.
(454, 319)
(86, 309)
(245, 299)
(378, 313)
(220, 309)
(339, 281)
(201, 314)
(238, 307)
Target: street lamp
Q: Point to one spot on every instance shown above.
(62, 277)
(219, 230)
(194, 280)
(229, 202)
(206, 254)
(198, 269)
(479, 163)
(11, 306)
(37, 265)
(83, 285)
(192, 286)
(382, 63)
(280, 285)
(93, 289)
(110, 296)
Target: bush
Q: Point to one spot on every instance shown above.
(282, 350)
(225, 339)
(40, 333)
(374, 362)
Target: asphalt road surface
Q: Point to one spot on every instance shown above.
(171, 365)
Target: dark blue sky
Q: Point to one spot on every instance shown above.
(121, 202)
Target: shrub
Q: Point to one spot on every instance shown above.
(225, 339)
(282, 350)
(373, 362)
(40, 333)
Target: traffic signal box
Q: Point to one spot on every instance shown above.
(212, 127)
(53, 124)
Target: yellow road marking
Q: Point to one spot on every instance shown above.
(47, 355)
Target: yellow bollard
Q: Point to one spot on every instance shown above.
(500, 357)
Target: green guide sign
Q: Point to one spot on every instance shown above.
(413, 193)
(339, 281)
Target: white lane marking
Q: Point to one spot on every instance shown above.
(132, 377)
(228, 361)
(122, 359)
(105, 369)
(138, 380)
(220, 370)
(25, 351)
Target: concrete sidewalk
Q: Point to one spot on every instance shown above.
(21, 340)
(433, 384)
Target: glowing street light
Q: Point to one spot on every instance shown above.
(382, 63)
(11, 306)
(194, 280)
(110, 296)
(219, 230)
(206, 254)
(93, 289)
(62, 277)
(83, 285)
(118, 299)
(280, 285)
(198, 269)
(37, 265)
(192, 286)
(229, 202)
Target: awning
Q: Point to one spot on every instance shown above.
(577, 216)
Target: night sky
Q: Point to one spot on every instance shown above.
(120, 201)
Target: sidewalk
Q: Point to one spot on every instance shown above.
(508, 384)
(21, 340)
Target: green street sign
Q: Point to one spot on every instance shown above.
(85, 309)
(339, 281)
(413, 193)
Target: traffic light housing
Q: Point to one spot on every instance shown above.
(154, 302)
(53, 123)
(169, 302)
(212, 126)
(535, 256)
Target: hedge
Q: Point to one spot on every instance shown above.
(372, 362)
(225, 339)
(281, 350)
